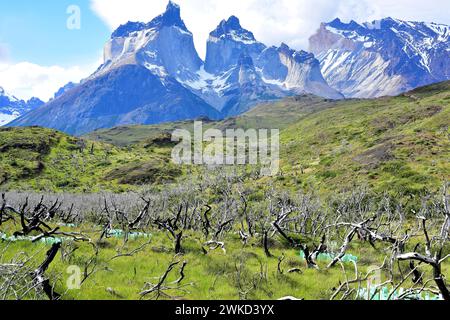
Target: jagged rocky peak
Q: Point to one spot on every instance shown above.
(300, 73)
(382, 57)
(164, 46)
(226, 44)
(298, 56)
(171, 17)
(338, 23)
(384, 30)
(231, 29)
(327, 36)
(232, 23)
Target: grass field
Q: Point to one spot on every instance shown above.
(43, 159)
(242, 272)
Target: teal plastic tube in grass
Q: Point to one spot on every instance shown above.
(330, 257)
(386, 293)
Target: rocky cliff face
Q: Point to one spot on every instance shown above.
(227, 43)
(384, 57)
(164, 46)
(275, 72)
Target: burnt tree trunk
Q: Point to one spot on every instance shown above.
(178, 248)
(266, 244)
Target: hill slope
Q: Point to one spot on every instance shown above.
(398, 144)
(392, 143)
(274, 115)
(44, 159)
(128, 94)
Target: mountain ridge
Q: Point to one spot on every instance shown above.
(230, 81)
(382, 57)
(132, 95)
(11, 107)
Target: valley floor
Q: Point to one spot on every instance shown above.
(180, 245)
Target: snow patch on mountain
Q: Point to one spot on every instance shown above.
(383, 57)
(6, 118)
(11, 107)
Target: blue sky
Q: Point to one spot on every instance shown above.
(39, 54)
(36, 31)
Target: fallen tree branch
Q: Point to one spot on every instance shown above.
(39, 277)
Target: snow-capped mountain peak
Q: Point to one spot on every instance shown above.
(164, 46)
(226, 43)
(382, 57)
(171, 17)
(12, 108)
(231, 29)
(404, 31)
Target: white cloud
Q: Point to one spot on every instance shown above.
(25, 80)
(272, 21)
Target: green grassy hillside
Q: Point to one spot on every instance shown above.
(393, 143)
(278, 115)
(44, 159)
(399, 144)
